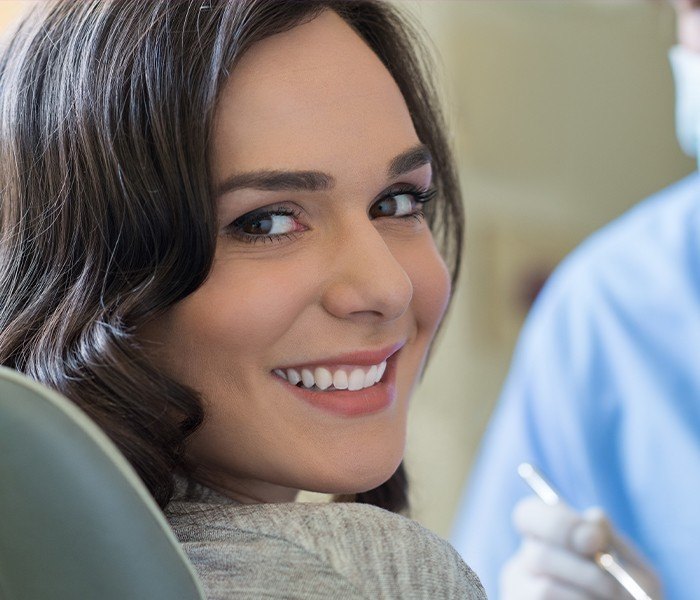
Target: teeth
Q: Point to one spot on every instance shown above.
(371, 377)
(340, 380)
(356, 381)
(323, 378)
(293, 376)
(307, 377)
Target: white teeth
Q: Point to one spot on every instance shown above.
(293, 376)
(323, 378)
(340, 380)
(380, 370)
(356, 381)
(371, 376)
(307, 378)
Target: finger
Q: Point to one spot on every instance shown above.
(627, 555)
(595, 535)
(569, 568)
(614, 540)
(635, 563)
(519, 583)
(626, 552)
(559, 525)
(553, 523)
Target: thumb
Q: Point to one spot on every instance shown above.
(625, 552)
(592, 534)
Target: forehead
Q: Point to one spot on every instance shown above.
(310, 98)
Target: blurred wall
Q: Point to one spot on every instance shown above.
(562, 114)
(10, 10)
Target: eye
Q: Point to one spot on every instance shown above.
(265, 225)
(401, 203)
(269, 224)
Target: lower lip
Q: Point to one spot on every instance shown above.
(352, 404)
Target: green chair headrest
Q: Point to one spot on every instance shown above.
(76, 522)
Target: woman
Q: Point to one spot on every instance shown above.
(217, 240)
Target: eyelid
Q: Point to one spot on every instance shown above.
(418, 195)
(422, 194)
(277, 209)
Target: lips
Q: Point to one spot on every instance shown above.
(352, 384)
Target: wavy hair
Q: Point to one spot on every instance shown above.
(106, 212)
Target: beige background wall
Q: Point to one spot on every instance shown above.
(562, 118)
(562, 115)
(9, 11)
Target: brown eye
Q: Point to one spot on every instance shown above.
(397, 205)
(257, 226)
(268, 223)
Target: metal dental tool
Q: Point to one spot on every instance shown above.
(605, 560)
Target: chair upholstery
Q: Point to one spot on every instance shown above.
(76, 522)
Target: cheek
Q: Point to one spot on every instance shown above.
(245, 305)
(431, 285)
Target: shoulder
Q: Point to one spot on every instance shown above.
(626, 296)
(629, 268)
(658, 237)
(359, 550)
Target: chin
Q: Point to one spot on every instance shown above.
(359, 478)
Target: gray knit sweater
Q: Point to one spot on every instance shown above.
(315, 551)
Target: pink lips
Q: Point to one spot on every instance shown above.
(361, 358)
(356, 403)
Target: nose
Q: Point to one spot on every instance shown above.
(365, 278)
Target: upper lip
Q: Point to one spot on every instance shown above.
(358, 357)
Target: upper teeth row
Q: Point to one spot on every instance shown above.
(340, 379)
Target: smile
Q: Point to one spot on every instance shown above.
(355, 384)
(352, 378)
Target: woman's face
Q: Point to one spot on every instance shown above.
(324, 270)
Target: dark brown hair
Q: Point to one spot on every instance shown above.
(107, 217)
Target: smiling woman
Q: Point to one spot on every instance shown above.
(219, 225)
(325, 272)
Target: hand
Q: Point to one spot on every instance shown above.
(555, 558)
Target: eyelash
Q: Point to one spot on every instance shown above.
(235, 229)
(420, 195)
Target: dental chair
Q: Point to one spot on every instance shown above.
(76, 523)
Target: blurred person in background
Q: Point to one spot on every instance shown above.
(604, 397)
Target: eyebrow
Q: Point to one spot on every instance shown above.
(409, 160)
(314, 181)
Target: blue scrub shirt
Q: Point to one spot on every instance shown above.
(604, 396)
